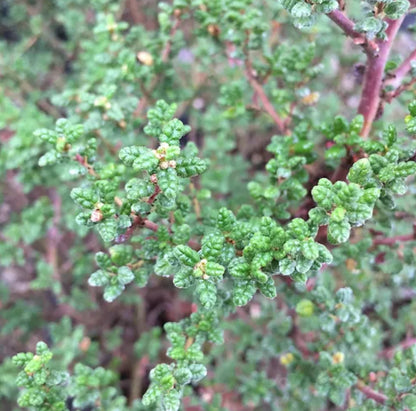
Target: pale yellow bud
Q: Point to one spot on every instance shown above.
(144, 57)
(338, 358)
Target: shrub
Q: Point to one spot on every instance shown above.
(208, 205)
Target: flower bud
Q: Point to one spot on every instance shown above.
(144, 57)
(338, 358)
(96, 215)
(287, 359)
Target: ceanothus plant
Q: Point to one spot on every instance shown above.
(208, 212)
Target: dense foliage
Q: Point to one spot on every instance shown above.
(207, 205)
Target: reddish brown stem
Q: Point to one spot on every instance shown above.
(372, 394)
(258, 89)
(373, 78)
(396, 239)
(84, 162)
(389, 352)
(347, 26)
(401, 72)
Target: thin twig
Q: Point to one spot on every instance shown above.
(372, 394)
(84, 162)
(389, 352)
(373, 78)
(258, 89)
(401, 72)
(347, 26)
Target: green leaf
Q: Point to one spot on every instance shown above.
(112, 291)
(214, 269)
(198, 371)
(85, 197)
(190, 166)
(268, 288)
(238, 268)
(152, 395)
(186, 255)
(212, 245)
(172, 401)
(397, 8)
(173, 131)
(243, 292)
(287, 266)
(301, 10)
(310, 249)
(168, 182)
(225, 219)
(338, 231)
(305, 308)
(107, 229)
(360, 172)
(49, 158)
(125, 275)
(98, 279)
(121, 254)
(323, 194)
(207, 293)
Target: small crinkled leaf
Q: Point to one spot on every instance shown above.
(207, 293)
(303, 264)
(397, 8)
(183, 375)
(164, 266)
(214, 269)
(198, 371)
(225, 219)
(310, 249)
(125, 275)
(190, 166)
(85, 197)
(168, 182)
(243, 292)
(338, 231)
(287, 266)
(183, 278)
(325, 255)
(107, 229)
(360, 172)
(121, 254)
(370, 25)
(360, 213)
(212, 245)
(98, 279)
(145, 161)
(152, 395)
(239, 268)
(129, 154)
(298, 228)
(323, 194)
(301, 10)
(44, 134)
(319, 216)
(259, 276)
(173, 131)
(49, 158)
(112, 291)
(102, 259)
(137, 189)
(268, 288)
(405, 169)
(186, 255)
(370, 195)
